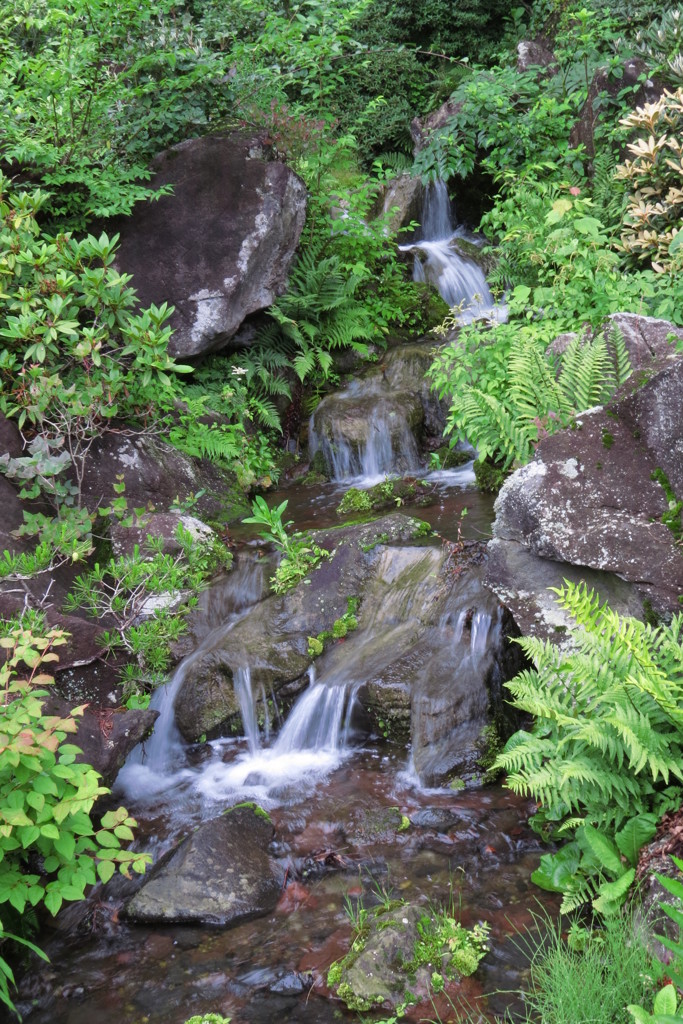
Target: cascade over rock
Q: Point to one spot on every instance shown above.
(599, 497)
(374, 426)
(221, 874)
(220, 247)
(272, 641)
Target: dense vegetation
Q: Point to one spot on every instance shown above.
(580, 223)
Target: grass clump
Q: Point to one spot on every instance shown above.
(590, 976)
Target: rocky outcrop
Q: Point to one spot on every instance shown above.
(602, 496)
(220, 247)
(154, 475)
(272, 642)
(401, 202)
(458, 714)
(220, 874)
(647, 338)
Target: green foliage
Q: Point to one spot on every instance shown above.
(354, 500)
(592, 979)
(208, 1018)
(531, 396)
(218, 407)
(665, 1010)
(299, 554)
(444, 942)
(46, 796)
(603, 759)
(661, 44)
(89, 91)
(340, 629)
(674, 886)
(146, 595)
(318, 313)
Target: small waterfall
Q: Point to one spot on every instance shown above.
(459, 281)
(320, 720)
(152, 765)
(241, 681)
(385, 446)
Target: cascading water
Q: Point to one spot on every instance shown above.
(383, 446)
(159, 763)
(459, 280)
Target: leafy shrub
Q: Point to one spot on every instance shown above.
(653, 223)
(528, 396)
(50, 847)
(661, 44)
(299, 555)
(89, 92)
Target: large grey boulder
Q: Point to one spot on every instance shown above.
(601, 497)
(220, 874)
(220, 247)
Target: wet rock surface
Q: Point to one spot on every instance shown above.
(218, 248)
(106, 736)
(379, 422)
(220, 874)
(273, 640)
(598, 497)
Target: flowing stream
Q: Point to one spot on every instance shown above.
(459, 280)
(334, 793)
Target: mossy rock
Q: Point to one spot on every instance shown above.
(490, 477)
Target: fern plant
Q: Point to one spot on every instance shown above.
(318, 314)
(538, 397)
(605, 750)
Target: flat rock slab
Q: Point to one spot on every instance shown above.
(220, 874)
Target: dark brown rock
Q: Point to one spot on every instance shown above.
(589, 498)
(220, 874)
(106, 736)
(604, 83)
(154, 475)
(220, 247)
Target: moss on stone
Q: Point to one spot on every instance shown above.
(489, 477)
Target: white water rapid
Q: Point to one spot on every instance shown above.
(459, 280)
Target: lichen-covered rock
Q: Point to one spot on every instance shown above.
(220, 874)
(220, 247)
(646, 337)
(533, 53)
(633, 77)
(603, 496)
(154, 474)
(163, 527)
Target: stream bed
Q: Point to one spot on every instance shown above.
(351, 823)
